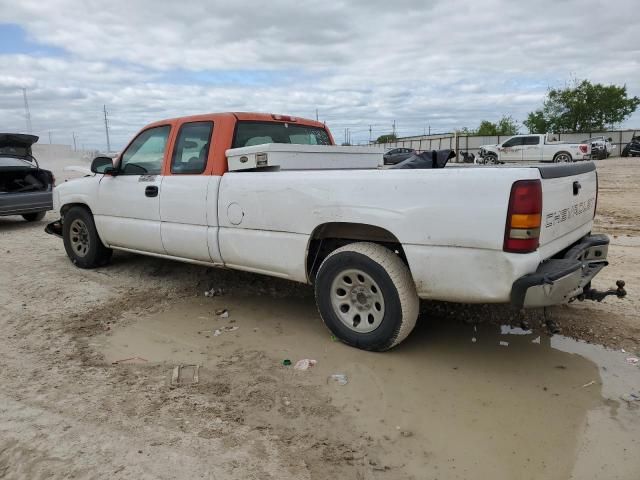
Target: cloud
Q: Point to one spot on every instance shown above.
(442, 63)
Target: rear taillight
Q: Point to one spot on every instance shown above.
(583, 148)
(522, 232)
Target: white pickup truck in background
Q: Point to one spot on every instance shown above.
(209, 189)
(534, 148)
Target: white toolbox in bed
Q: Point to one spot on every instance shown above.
(285, 156)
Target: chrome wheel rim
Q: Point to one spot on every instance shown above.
(562, 158)
(79, 237)
(357, 300)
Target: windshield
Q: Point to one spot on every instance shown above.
(257, 133)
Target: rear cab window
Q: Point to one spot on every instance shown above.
(250, 133)
(192, 148)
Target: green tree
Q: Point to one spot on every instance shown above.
(583, 107)
(390, 138)
(536, 123)
(505, 126)
(487, 128)
(508, 126)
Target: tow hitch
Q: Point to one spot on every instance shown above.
(593, 294)
(54, 228)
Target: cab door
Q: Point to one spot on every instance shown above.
(189, 198)
(532, 150)
(511, 150)
(127, 213)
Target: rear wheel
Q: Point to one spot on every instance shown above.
(366, 296)
(562, 157)
(81, 241)
(34, 217)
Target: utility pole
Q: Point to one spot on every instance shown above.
(394, 128)
(316, 114)
(49, 137)
(369, 133)
(27, 113)
(429, 129)
(73, 134)
(106, 128)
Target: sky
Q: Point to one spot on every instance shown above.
(361, 64)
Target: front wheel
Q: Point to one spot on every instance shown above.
(490, 159)
(34, 217)
(366, 296)
(81, 241)
(563, 157)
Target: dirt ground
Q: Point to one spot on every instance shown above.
(87, 362)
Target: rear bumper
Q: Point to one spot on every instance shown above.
(560, 280)
(20, 203)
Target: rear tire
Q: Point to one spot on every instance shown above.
(366, 296)
(81, 240)
(34, 217)
(562, 157)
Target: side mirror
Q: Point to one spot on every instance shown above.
(610, 140)
(102, 165)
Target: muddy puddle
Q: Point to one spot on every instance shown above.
(453, 401)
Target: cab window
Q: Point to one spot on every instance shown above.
(256, 133)
(192, 148)
(533, 140)
(146, 153)
(513, 142)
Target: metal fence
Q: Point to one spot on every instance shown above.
(472, 143)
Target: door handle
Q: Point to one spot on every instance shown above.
(151, 191)
(576, 187)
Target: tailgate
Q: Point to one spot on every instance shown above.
(568, 198)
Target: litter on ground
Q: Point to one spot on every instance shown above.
(339, 378)
(304, 364)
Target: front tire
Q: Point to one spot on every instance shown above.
(34, 217)
(81, 240)
(366, 296)
(490, 159)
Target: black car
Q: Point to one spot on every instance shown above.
(397, 155)
(632, 148)
(25, 188)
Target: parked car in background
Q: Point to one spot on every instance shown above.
(534, 148)
(601, 147)
(222, 190)
(632, 148)
(397, 155)
(25, 188)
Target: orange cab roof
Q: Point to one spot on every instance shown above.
(244, 116)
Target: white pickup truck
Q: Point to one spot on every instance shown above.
(534, 148)
(372, 241)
